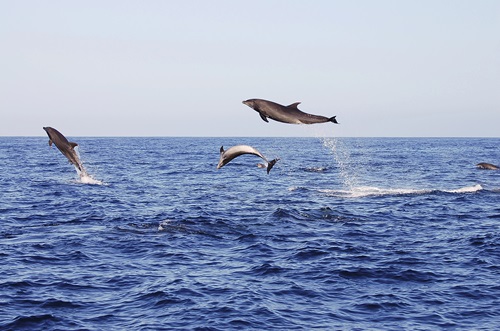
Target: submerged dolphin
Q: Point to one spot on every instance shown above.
(235, 151)
(286, 114)
(67, 148)
(487, 166)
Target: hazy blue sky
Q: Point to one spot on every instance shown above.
(183, 68)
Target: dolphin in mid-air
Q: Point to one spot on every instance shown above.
(67, 148)
(235, 151)
(487, 166)
(285, 114)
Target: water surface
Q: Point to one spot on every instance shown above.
(344, 233)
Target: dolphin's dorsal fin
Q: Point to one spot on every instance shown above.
(294, 105)
(73, 145)
(50, 142)
(222, 149)
(264, 118)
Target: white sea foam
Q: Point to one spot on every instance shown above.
(466, 189)
(85, 178)
(365, 191)
(316, 169)
(88, 179)
(164, 224)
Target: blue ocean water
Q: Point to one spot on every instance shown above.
(343, 234)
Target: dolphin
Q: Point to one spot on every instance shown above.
(235, 151)
(487, 166)
(67, 148)
(285, 114)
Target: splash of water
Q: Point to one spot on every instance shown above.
(86, 178)
(340, 153)
(343, 159)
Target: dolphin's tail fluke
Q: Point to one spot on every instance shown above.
(271, 164)
(333, 119)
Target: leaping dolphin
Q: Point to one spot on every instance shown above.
(67, 148)
(285, 114)
(235, 151)
(487, 166)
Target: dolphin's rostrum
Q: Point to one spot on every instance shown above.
(67, 148)
(286, 114)
(227, 155)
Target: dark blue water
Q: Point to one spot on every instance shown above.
(343, 234)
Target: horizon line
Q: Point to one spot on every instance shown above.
(166, 136)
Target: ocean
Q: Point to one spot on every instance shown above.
(342, 234)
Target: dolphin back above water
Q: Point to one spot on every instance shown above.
(227, 155)
(487, 166)
(285, 114)
(66, 147)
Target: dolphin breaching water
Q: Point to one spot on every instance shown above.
(66, 147)
(285, 114)
(227, 155)
(487, 166)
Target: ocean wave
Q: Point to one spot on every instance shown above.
(389, 274)
(33, 322)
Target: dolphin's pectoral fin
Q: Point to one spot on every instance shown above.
(50, 142)
(264, 118)
(73, 145)
(222, 149)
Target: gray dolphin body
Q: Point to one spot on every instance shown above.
(487, 166)
(235, 151)
(67, 148)
(285, 114)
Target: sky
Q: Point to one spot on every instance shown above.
(182, 68)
